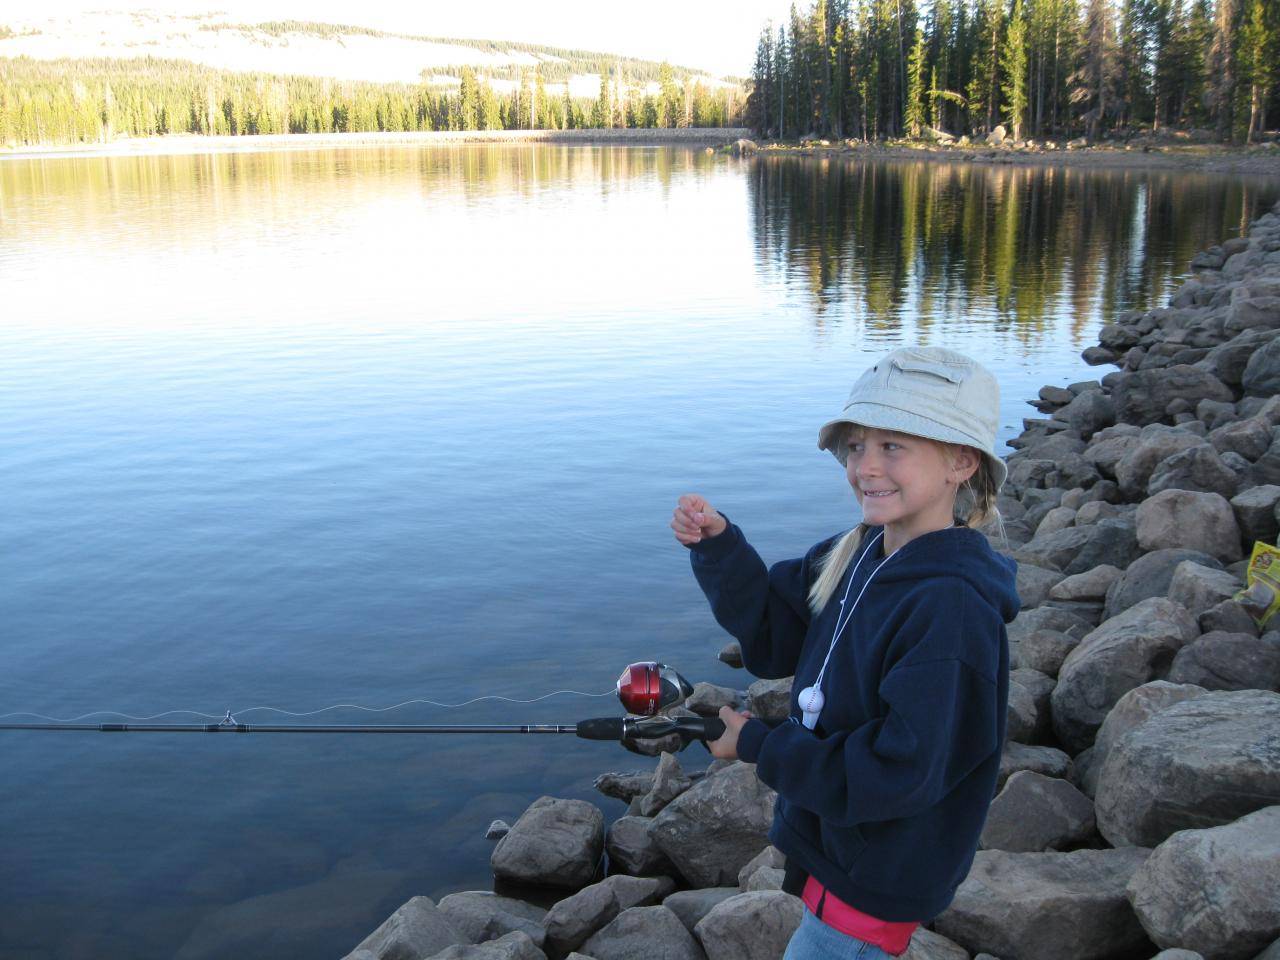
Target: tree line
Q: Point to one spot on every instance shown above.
(86, 101)
(878, 69)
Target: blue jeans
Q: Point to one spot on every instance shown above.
(814, 940)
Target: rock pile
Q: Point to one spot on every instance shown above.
(1138, 808)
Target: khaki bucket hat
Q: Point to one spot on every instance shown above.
(926, 392)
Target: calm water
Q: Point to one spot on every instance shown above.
(374, 425)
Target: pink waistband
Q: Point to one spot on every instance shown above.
(888, 936)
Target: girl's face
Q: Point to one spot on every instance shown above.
(906, 484)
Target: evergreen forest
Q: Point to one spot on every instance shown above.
(880, 69)
(88, 101)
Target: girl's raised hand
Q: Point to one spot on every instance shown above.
(695, 520)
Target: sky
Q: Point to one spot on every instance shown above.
(718, 36)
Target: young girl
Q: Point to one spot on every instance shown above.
(895, 634)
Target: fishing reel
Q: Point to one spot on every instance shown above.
(649, 691)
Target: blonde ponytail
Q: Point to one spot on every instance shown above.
(831, 567)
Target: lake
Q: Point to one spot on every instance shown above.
(365, 426)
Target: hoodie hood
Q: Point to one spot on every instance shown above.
(954, 552)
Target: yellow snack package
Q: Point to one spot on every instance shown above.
(1261, 595)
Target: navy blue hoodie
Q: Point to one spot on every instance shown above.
(884, 800)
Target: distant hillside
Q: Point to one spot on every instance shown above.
(337, 51)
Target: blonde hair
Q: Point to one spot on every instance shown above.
(975, 506)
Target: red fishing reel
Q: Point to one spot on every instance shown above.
(649, 688)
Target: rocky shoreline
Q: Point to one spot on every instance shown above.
(1138, 809)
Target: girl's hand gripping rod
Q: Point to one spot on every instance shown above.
(647, 690)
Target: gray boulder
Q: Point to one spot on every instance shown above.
(1197, 468)
(517, 945)
(1088, 413)
(1092, 585)
(481, 915)
(707, 699)
(1229, 617)
(1229, 661)
(555, 843)
(770, 700)
(1106, 454)
(1214, 890)
(1045, 651)
(1196, 764)
(1034, 584)
(1047, 618)
(1150, 576)
(574, 919)
(669, 782)
(1126, 651)
(1255, 511)
(731, 654)
(1153, 447)
(624, 786)
(1114, 543)
(1228, 361)
(1144, 396)
(692, 905)
(1250, 438)
(767, 860)
(633, 850)
(712, 830)
(927, 945)
(1034, 813)
(1173, 518)
(1131, 710)
(750, 926)
(417, 929)
(1048, 761)
(644, 933)
(1047, 906)
(1261, 376)
(1200, 588)
(1271, 953)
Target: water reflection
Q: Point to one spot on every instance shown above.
(892, 242)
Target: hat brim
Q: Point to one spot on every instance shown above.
(880, 417)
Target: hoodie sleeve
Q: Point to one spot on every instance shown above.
(942, 717)
(766, 610)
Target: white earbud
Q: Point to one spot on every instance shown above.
(811, 702)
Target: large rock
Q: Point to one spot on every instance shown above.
(768, 860)
(714, 828)
(624, 786)
(1034, 584)
(1124, 652)
(1229, 661)
(1045, 651)
(1250, 438)
(418, 929)
(1143, 397)
(1200, 588)
(517, 945)
(1216, 891)
(1173, 518)
(1088, 413)
(481, 915)
(633, 850)
(669, 782)
(750, 926)
(1155, 445)
(1090, 586)
(1255, 510)
(927, 945)
(1049, 761)
(770, 700)
(1047, 906)
(1197, 468)
(1150, 576)
(644, 933)
(1261, 376)
(692, 905)
(1106, 453)
(1034, 813)
(1134, 708)
(555, 843)
(1077, 549)
(574, 919)
(1196, 764)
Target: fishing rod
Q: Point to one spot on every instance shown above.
(648, 691)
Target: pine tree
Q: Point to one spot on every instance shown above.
(1014, 62)
(914, 115)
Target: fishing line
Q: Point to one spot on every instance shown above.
(309, 713)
